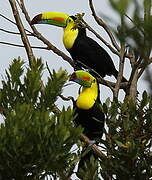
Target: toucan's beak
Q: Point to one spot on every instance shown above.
(81, 78)
(73, 77)
(52, 18)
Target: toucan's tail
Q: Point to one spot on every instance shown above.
(115, 73)
(126, 89)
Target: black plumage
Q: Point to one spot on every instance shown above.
(92, 120)
(90, 53)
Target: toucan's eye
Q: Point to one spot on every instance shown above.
(69, 20)
(94, 81)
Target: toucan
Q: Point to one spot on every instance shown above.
(88, 110)
(81, 47)
(87, 105)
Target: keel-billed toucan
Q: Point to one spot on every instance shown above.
(87, 105)
(80, 46)
(88, 111)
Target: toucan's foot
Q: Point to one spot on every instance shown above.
(92, 142)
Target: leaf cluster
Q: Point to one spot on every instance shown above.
(35, 141)
(128, 140)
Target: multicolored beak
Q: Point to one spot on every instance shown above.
(83, 78)
(52, 18)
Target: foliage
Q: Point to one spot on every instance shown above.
(135, 30)
(33, 140)
(128, 140)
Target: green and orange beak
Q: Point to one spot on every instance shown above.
(51, 18)
(83, 78)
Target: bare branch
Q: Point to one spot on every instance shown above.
(18, 3)
(22, 31)
(120, 72)
(69, 98)
(103, 24)
(22, 46)
(133, 86)
(6, 18)
(11, 32)
(99, 37)
(136, 25)
(142, 69)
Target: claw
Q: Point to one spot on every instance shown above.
(92, 142)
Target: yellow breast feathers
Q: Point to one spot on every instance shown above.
(87, 97)
(69, 36)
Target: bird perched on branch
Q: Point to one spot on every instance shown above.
(87, 108)
(81, 47)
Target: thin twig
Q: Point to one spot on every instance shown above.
(136, 25)
(102, 39)
(6, 18)
(69, 98)
(15, 33)
(103, 24)
(22, 46)
(22, 31)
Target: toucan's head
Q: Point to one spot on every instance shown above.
(53, 18)
(83, 78)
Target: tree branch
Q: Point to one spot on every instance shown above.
(121, 69)
(11, 32)
(6, 18)
(99, 37)
(22, 46)
(22, 31)
(133, 86)
(103, 24)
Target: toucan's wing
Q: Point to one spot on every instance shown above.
(93, 55)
